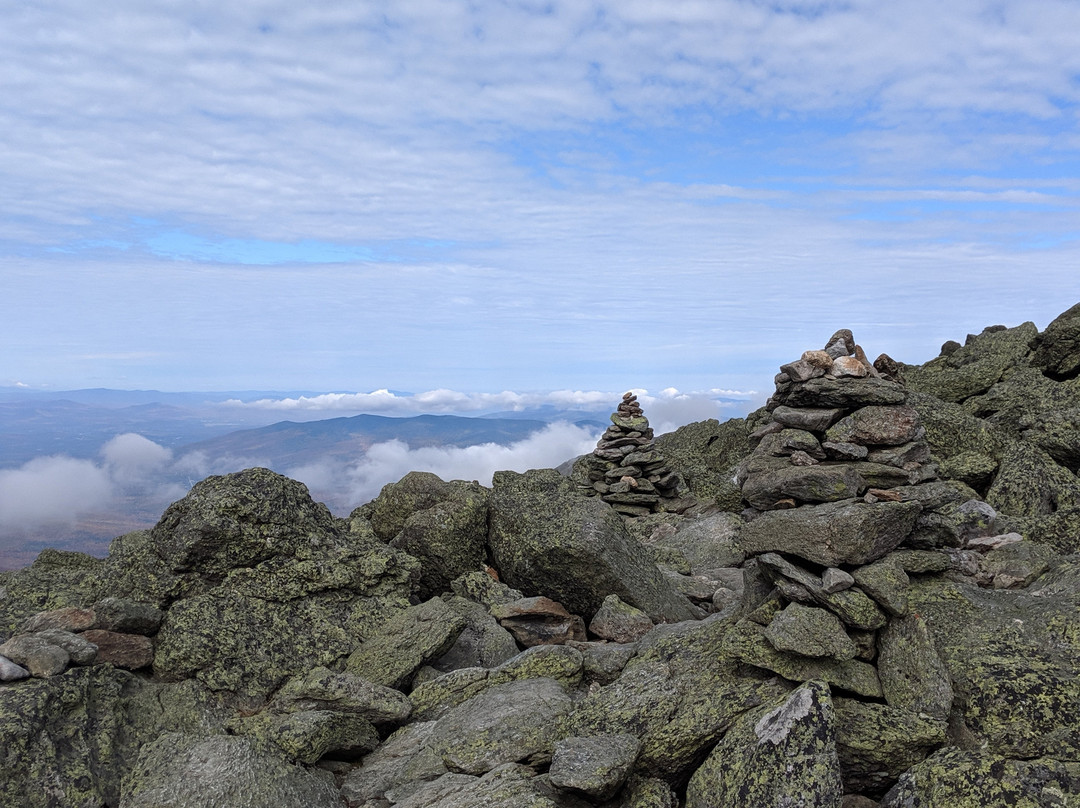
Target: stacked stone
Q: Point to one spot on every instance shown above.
(114, 631)
(836, 488)
(627, 471)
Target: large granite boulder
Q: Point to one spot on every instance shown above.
(546, 539)
(830, 534)
(71, 739)
(705, 455)
(1057, 349)
(785, 755)
(189, 771)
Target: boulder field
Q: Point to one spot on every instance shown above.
(867, 593)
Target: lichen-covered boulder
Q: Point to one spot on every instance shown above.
(239, 520)
(188, 771)
(975, 367)
(705, 455)
(503, 724)
(447, 538)
(398, 647)
(307, 736)
(847, 532)
(1013, 658)
(678, 696)
(707, 542)
(548, 540)
(782, 756)
(877, 743)
(323, 689)
(978, 778)
(70, 739)
(1057, 349)
(57, 579)
(619, 622)
(809, 632)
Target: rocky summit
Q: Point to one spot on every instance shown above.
(867, 593)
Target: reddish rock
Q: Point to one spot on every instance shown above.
(539, 621)
(70, 618)
(128, 651)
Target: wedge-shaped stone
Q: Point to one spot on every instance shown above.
(831, 534)
(810, 632)
(779, 757)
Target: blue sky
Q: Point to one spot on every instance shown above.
(524, 195)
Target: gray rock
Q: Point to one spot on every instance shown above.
(784, 756)
(828, 393)
(648, 792)
(1017, 564)
(835, 580)
(482, 643)
(853, 607)
(913, 677)
(10, 672)
(844, 451)
(506, 786)
(813, 419)
(619, 622)
(830, 534)
(81, 650)
(548, 540)
(707, 542)
(878, 426)
(185, 771)
(403, 760)
(810, 632)
(504, 724)
(597, 765)
(307, 736)
(323, 689)
(820, 483)
(887, 583)
(127, 616)
(482, 588)
(40, 657)
(405, 642)
(69, 618)
(978, 778)
(603, 662)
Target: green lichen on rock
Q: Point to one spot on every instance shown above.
(977, 779)
(705, 455)
(785, 755)
(307, 736)
(398, 647)
(877, 743)
(56, 579)
(1012, 659)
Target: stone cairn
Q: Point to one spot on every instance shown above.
(626, 470)
(844, 505)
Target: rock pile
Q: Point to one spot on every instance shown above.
(627, 470)
(113, 631)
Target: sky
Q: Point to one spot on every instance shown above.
(524, 196)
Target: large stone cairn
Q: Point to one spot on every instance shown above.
(627, 471)
(837, 489)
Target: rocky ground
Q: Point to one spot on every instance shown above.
(867, 593)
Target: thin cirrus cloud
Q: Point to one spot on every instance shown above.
(441, 193)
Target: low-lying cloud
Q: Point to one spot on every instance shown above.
(344, 486)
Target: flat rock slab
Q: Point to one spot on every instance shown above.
(186, 771)
(129, 651)
(405, 642)
(847, 532)
(810, 632)
(597, 765)
(785, 756)
(504, 724)
(913, 677)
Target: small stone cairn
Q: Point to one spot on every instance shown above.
(626, 470)
(842, 496)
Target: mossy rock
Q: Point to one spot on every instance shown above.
(705, 455)
(1012, 657)
(979, 778)
(975, 367)
(55, 580)
(782, 755)
(1057, 349)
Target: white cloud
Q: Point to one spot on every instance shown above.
(344, 486)
(131, 459)
(52, 490)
